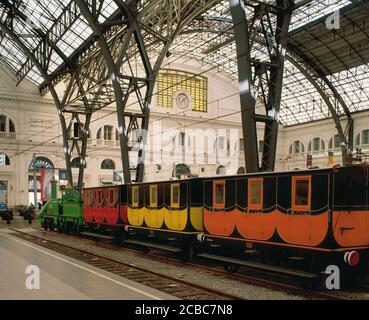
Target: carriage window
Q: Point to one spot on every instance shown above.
(153, 196)
(135, 196)
(219, 194)
(255, 194)
(301, 193)
(174, 195)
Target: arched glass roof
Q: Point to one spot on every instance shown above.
(57, 34)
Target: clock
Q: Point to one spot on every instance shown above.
(182, 100)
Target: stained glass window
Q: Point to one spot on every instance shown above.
(172, 82)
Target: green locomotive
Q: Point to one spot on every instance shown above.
(65, 214)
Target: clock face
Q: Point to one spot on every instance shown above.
(182, 100)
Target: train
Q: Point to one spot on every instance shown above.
(320, 216)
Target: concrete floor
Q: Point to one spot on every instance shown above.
(61, 277)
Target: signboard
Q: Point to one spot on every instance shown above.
(63, 175)
(40, 121)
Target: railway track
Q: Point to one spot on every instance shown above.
(178, 288)
(245, 275)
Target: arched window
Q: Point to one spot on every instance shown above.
(296, 148)
(357, 140)
(108, 164)
(31, 184)
(334, 143)
(77, 162)
(105, 133)
(240, 145)
(241, 170)
(11, 126)
(365, 137)
(7, 128)
(4, 160)
(316, 144)
(179, 140)
(2, 123)
(41, 162)
(221, 170)
(182, 170)
(221, 144)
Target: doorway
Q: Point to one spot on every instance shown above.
(4, 191)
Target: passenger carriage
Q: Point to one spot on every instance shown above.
(312, 211)
(170, 206)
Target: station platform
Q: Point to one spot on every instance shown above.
(61, 277)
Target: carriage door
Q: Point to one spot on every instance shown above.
(219, 203)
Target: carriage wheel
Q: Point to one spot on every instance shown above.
(187, 251)
(232, 268)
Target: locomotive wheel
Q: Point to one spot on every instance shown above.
(51, 225)
(44, 225)
(75, 228)
(67, 227)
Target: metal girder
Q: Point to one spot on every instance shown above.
(149, 94)
(79, 138)
(120, 96)
(42, 54)
(364, 4)
(108, 74)
(277, 52)
(92, 84)
(313, 75)
(47, 44)
(321, 83)
(247, 96)
(158, 16)
(267, 76)
(8, 30)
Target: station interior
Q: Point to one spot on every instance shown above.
(184, 150)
